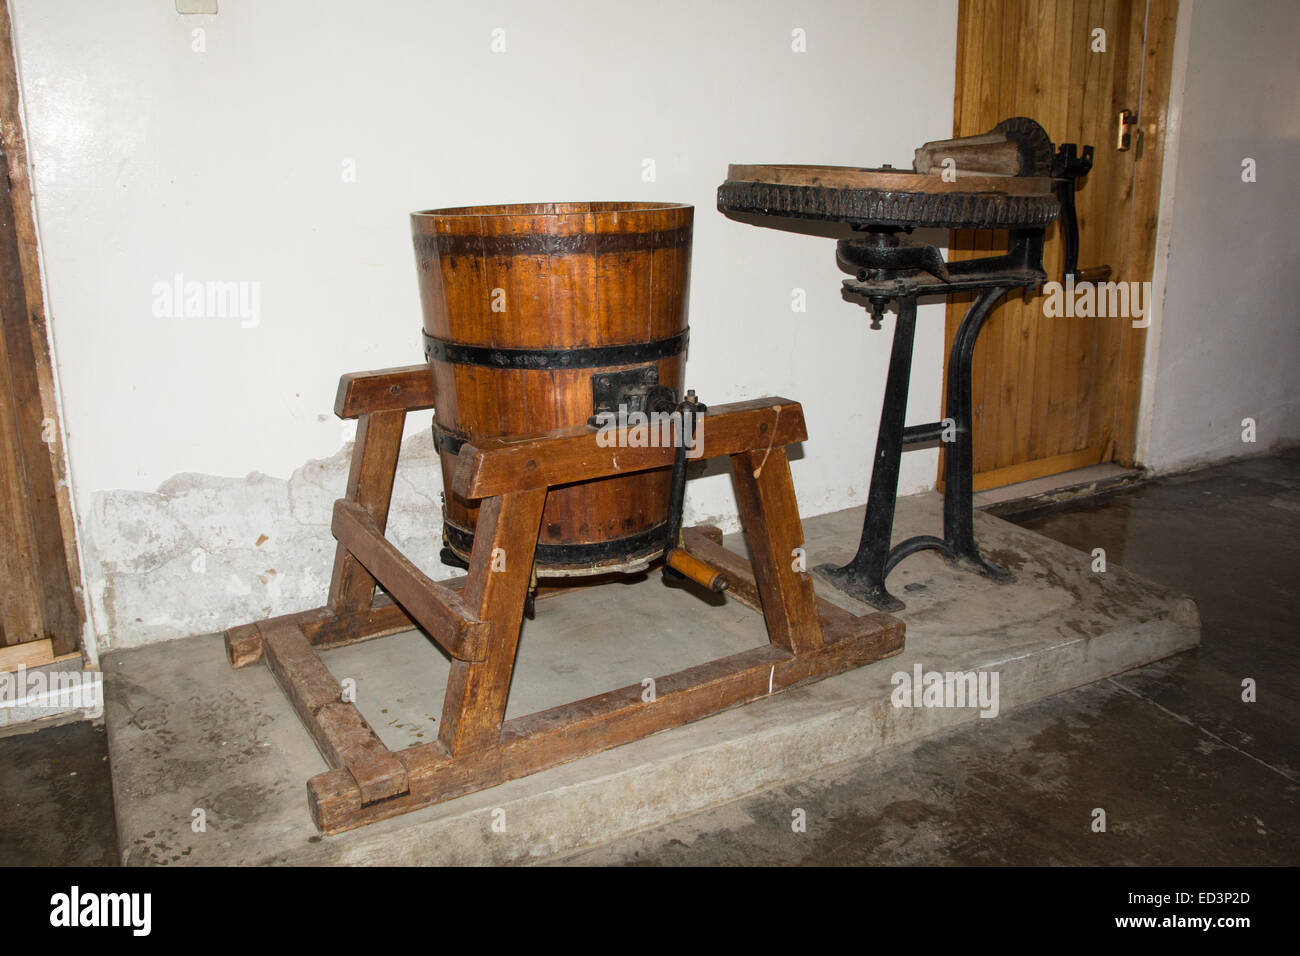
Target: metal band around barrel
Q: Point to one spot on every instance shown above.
(643, 543)
(445, 439)
(448, 244)
(583, 357)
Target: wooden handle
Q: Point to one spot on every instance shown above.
(705, 575)
(1093, 274)
(987, 155)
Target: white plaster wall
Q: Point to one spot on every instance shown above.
(1228, 343)
(191, 439)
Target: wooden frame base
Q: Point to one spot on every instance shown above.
(477, 619)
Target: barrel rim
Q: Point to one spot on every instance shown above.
(547, 210)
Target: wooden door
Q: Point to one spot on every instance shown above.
(40, 614)
(1052, 394)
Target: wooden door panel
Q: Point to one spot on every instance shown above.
(1051, 394)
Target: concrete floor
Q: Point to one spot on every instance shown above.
(1186, 771)
(57, 808)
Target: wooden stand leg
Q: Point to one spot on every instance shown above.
(370, 486)
(500, 568)
(765, 493)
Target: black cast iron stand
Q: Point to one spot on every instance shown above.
(864, 576)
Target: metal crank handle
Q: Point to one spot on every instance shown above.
(1070, 163)
(690, 409)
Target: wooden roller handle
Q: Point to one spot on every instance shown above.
(988, 155)
(702, 573)
(1093, 274)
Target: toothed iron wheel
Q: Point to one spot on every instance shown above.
(888, 197)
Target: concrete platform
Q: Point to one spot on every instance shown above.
(187, 733)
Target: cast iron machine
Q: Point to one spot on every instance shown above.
(1010, 178)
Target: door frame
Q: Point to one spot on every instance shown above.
(1153, 95)
(28, 375)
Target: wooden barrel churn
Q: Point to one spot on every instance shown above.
(533, 315)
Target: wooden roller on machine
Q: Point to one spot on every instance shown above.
(1011, 179)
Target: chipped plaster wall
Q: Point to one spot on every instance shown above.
(203, 552)
(154, 158)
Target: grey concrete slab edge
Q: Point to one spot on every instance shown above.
(1058, 626)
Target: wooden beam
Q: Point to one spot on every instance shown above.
(344, 738)
(1028, 470)
(406, 389)
(438, 609)
(325, 628)
(32, 654)
(493, 466)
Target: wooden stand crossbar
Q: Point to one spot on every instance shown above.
(477, 619)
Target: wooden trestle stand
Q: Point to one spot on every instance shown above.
(477, 619)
